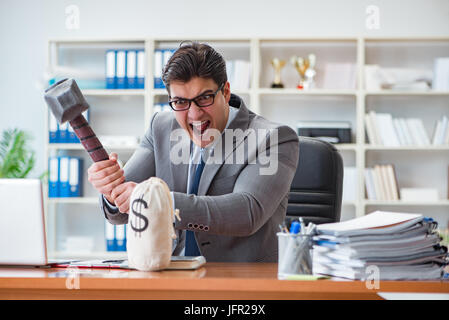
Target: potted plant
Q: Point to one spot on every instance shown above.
(16, 157)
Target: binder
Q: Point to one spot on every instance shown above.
(166, 56)
(120, 237)
(121, 69)
(109, 232)
(63, 131)
(111, 80)
(131, 69)
(140, 69)
(64, 189)
(158, 60)
(71, 136)
(53, 177)
(53, 128)
(75, 176)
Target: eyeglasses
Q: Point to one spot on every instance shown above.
(203, 100)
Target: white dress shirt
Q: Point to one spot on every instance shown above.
(194, 159)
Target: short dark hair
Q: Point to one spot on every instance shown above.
(194, 59)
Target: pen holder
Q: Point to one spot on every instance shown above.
(295, 254)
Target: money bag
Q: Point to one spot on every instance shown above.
(150, 228)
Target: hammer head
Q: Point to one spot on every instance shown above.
(65, 100)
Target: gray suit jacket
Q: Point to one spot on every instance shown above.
(237, 211)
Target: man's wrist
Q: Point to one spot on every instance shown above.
(112, 208)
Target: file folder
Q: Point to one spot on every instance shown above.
(110, 69)
(71, 136)
(75, 176)
(166, 56)
(131, 69)
(63, 131)
(53, 128)
(64, 189)
(158, 60)
(140, 69)
(121, 69)
(120, 237)
(109, 232)
(53, 177)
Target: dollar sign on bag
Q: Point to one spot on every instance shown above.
(136, 208)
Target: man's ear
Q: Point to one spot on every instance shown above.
(227, 91)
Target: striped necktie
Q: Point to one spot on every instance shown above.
(191, 245)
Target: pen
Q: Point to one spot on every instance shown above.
(295, 227)
(301, 221)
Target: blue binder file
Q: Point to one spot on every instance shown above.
(158, 60)
(64, 189)
(109, 231)
(53, 128)
(166, 56)
(131, 69)
(110, 69)
(121, 69)
(120, 237)
(75, 176)
(71, 136)
(53, 177)
(140, 69)
(63, 131)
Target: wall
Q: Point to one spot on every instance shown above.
(25, 27)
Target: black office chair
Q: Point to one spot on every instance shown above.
(316, 190)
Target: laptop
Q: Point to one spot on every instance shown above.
(22, 223)
(23, 238)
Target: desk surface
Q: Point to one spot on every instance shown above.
(213, 281)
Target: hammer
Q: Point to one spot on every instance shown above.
(67, 103)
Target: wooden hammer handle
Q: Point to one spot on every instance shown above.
(88, 139)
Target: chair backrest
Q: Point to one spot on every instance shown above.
(316, 190)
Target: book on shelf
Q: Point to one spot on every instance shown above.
(403, 79)
(115, 236)
(384, 130)
(349, 184)
(381, 183)
(441, 132)
(440, 80)
(62, 133)
(369, 184)
(65, 177)
(239, 74)
(161, 57)
(161, 107)
(125, 68)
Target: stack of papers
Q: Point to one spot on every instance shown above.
(401, 245)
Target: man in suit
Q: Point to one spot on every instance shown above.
(212, 152)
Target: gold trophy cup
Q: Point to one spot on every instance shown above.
(306, 70)
(277, 65)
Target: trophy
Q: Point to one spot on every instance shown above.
(306, 70)
(277, 65)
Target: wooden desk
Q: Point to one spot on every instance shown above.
(213, 281)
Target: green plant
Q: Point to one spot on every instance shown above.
(16, 158)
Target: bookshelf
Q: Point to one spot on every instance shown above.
(130, 112)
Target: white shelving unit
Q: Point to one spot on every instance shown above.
(287, 105)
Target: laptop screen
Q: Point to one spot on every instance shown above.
(22, 222)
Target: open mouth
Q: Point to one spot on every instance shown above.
(199, 127)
